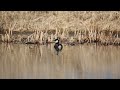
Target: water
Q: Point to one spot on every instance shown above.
(18, 61)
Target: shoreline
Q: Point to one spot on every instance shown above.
(71, 38)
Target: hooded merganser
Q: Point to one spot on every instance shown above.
(58, 46)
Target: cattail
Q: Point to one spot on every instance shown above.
(9, 32)
(36, 36)
(41, 37)
(8, 36)
(2, 38)
(51, 37)
(79, 37)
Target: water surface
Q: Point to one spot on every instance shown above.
(18, 61)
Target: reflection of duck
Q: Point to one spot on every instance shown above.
(58, 46)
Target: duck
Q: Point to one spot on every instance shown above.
(58, 46)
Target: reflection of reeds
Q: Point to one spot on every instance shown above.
(21, 61)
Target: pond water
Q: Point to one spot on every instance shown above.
(19, 61)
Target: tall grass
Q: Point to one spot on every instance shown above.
(70, 26)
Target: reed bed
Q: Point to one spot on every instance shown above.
(72, 27)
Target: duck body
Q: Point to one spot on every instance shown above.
(58, 46)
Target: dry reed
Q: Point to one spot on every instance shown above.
(70, 26)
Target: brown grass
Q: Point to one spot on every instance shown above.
(70, 26)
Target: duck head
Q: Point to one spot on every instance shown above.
(56, 41)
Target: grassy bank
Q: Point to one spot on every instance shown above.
(71, 26)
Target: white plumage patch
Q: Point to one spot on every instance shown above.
(59, 46)
(56, 41)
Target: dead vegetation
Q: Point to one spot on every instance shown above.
(72, 27)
